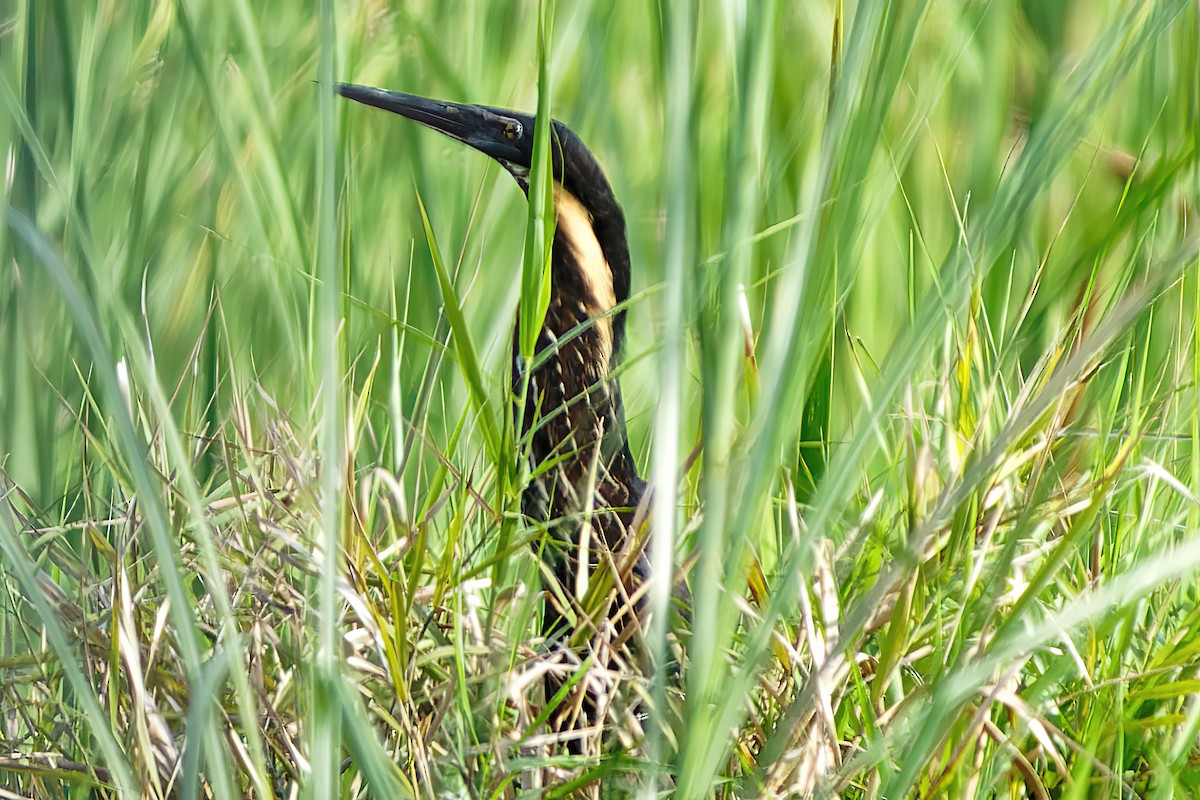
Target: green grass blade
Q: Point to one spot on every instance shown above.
(468, 361)
(539, 231)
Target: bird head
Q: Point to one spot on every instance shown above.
(506, 136)
(584, 199)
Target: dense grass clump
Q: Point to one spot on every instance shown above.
(912, 367)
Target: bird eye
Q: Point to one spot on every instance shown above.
(512, 130)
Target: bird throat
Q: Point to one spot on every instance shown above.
(586, 258)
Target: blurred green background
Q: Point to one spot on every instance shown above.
(168, 150)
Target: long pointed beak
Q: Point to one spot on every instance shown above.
(452, 119)
(480, 127)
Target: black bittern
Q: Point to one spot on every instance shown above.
(573, 417)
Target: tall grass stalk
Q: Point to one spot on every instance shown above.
(679, 186)
(325, 676)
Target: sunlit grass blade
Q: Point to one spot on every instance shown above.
(722, 348)
(324, 736)
(539, 231)
(464, 346)
(680, 186)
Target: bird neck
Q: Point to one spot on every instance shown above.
(574, 416)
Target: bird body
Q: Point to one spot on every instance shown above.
(574, 414)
